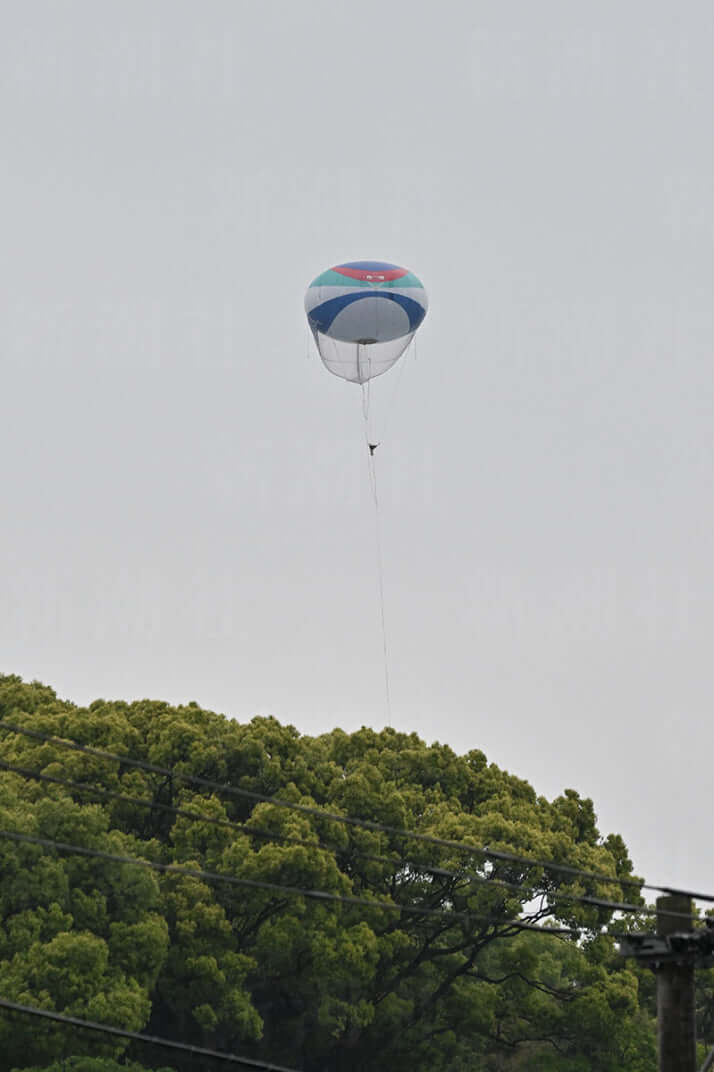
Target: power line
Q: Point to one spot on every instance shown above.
(134, 1036)
(366, 824)
(196, 816)
(299, 891)
(442, 872)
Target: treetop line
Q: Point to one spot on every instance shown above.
(368, 824)
(194, 816)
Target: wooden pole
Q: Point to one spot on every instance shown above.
(676, 1030)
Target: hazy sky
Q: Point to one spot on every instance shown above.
(185, 508)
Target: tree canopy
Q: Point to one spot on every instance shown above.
(433, 974)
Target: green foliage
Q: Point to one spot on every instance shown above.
(91, 1064)
(316, 985)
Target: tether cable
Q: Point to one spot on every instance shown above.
(372, 472)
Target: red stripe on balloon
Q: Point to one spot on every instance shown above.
(372, 276)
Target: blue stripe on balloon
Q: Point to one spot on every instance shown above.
(321, 316)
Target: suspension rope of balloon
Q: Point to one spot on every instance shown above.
(372, 469)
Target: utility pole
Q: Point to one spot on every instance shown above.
(673, 953)
(676, 1029)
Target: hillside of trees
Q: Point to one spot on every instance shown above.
(430, 974)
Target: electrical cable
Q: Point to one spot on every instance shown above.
(135, 1036)
(299, 891)
(442, 872)
(366, 824)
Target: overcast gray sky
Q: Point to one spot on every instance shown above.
(185, 502)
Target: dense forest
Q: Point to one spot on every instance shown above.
(413, 962)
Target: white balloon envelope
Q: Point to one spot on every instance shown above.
(363, 315)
